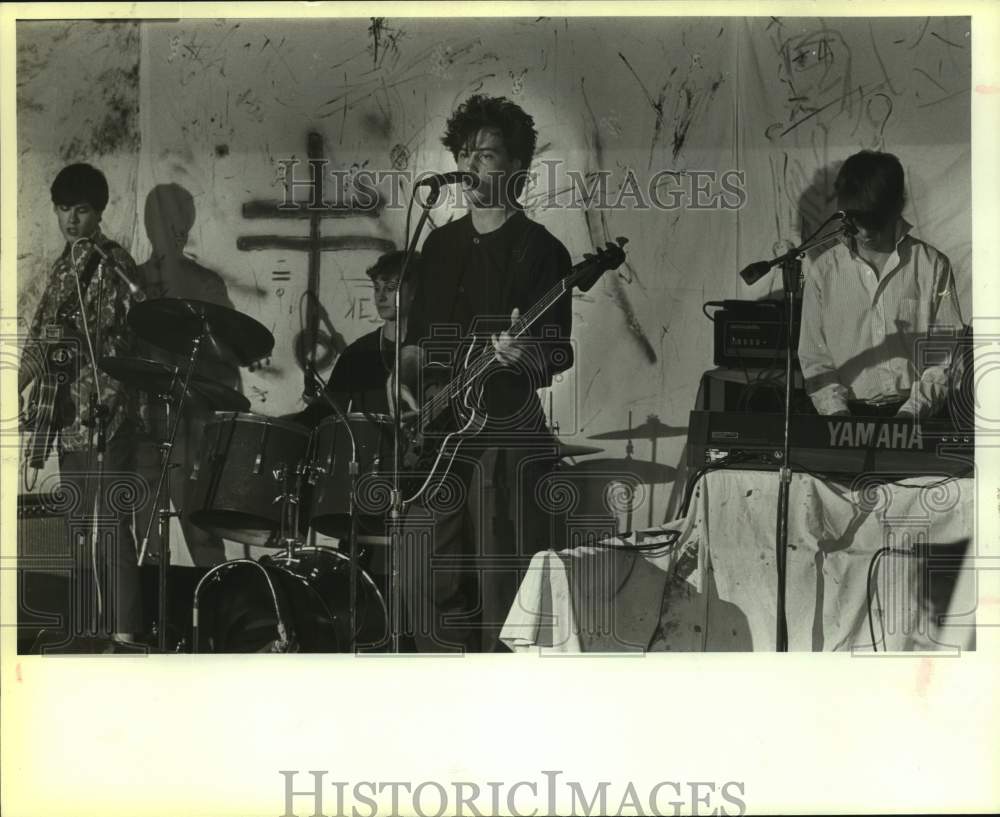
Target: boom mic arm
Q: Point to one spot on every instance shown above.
(752, 273)
(137, 294)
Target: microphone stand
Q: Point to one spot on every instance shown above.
(352, 536)
(396, 508)
(791, 270)
(99, 417)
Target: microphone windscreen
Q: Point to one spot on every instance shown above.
(752, 273)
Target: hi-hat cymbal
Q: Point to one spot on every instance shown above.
(641, 470)
(159, 378)
(652, 429)
(175, 323)
(573, 450)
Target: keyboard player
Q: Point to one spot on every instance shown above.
(869, 299)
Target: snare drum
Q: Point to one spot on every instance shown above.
(297, 603)
(245, 464)
(329, 508)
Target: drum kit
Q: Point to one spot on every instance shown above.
(261, 481)
(267, 481)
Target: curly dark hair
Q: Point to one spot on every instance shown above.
(480, 111)
(870, 186)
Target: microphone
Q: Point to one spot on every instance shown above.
(752, 273)
(846, 218)
(137, 294)
(451, 177)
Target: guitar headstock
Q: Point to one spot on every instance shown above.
(595, 264)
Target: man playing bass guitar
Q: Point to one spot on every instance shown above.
(479, 273)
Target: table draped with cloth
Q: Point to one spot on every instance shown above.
(707, 581)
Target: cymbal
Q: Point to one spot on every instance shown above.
(652, 429)
(174, 324)
(641, 470)
(159, 378)
(572, 450)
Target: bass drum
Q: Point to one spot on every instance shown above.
(282, 604)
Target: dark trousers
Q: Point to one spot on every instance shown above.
(106, 594)
(465, 550)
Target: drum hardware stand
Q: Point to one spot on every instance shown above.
(396, 507)
(352, 507)
(288, 535)
(164, 513)
(791, 272)
(289, 514)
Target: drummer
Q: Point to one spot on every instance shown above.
(358, 381)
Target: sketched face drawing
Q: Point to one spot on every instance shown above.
(816, 67)
(815, 70)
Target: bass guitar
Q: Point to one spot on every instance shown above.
(433, 437)
(51, 369)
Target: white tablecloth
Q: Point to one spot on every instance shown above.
(714, 588)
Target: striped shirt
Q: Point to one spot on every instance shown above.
(860, 331)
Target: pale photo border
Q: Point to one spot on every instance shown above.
(807, 733)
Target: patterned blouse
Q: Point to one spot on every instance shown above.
(107, 302)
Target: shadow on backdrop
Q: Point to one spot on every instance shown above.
(170, 273)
